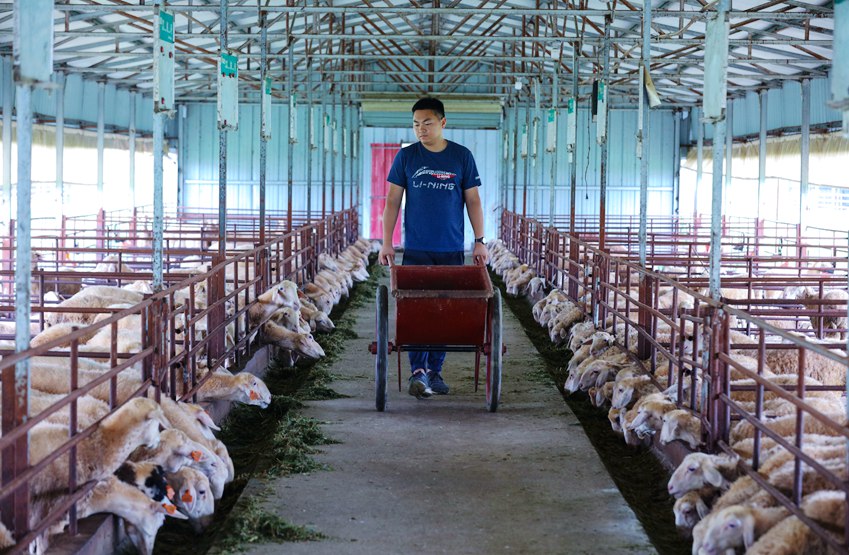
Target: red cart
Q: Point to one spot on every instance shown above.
(440, 308)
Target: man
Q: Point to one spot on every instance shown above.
(439, 177)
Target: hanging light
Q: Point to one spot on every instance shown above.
(518, 84)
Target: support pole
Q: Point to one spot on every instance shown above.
(290, 152)
(351, 114)
(60, 139)
(643, 132)
(604, 144)
(324, 152)
(8, 106)
(23, 271)
(222, 146)
(310, 139)
(158, 131)
(343, 117)
(805, 152)
(552, 187)
(132, 147)
(573, 167)
(263, 144)
(515, 153)
(716, 73)
(700, 157)
(332, 152)
(527, 159)
(101, 110)
(676, 164)
(729, 154)
(181, 154)
(762, 100)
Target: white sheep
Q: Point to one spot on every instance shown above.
(193, 495)
(174, 451)
(818, 367)
(681, 425)
(243, 388)
(301, 343)
(689, 509)
(736, 526)
(786, 425)
(135, 423)
(699, 471)
(629, 390)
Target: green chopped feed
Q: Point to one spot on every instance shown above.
(250, 523)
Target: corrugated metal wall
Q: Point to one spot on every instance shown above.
(623, 189)
(201, 175)
(784, 108)
(81, 102)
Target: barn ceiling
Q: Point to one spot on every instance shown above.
(377, 48)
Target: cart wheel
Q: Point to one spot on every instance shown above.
(382, 361)
(493, 361)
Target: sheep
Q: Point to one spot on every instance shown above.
(144, 514)
(830, 322)
(291, 319)
(782, 477)
(554, 297)
(558, 327)
(818, 367)
(110, 264)
(592, 371)
(272, 300)
(193, 495)
(174, 451)
(613, 417)
(626, 424)
(786, 425)
(135, 423)
(301, 343)
(579, 333)
(681, 425)
(147, 477)
(736, 526)
(58, 331)
(536, 287)
(98, 296)
(650, 411)
(791, 536)
(745, 448)
(689, 509)
(319, 297)
(629, 390)
(700, 471)
(89, 409)
(604, 394)
(318, 320)
(243, 387)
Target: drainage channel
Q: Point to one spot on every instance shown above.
(637, 473)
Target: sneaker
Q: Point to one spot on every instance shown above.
(436, 384)
(419, 386)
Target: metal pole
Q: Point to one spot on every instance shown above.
(60, 139)
(515, 153)
(101, 111)
(182, 153)
(700, 156)
(573, 167)
(805, 152)
(132, 146)
(158, 131)
(310, 139)
(263, 144)
(604, 145)
(351, 154)
(8, 103)
(290, 152)
(555, 99)
(527, 160)
(643, 132)
(324, 152)
(505, 138)
(332, 152)
(23, 259)
(729, 153)
(222, 146)
(716, 199)
(676, 164)
(762, 99)
(343, 117)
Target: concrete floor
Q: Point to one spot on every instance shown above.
(443, 475)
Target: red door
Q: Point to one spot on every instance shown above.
(382, 156)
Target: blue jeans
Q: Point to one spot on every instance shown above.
(430, 360)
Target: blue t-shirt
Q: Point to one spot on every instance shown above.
(434, 184)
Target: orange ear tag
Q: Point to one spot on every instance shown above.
(187, 497)
(197, 455)
(169, 492)
(170, 509)
(254, 396)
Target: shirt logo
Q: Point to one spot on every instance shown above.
(442, 175)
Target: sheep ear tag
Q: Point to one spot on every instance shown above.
(197, 456)
(187, 497)
(169, 493)
(169, 508)
(254, 396)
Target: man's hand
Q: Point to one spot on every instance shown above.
(480, 254)
(387, 253)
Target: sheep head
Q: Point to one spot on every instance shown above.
(689, 509)
(680, 425)
(730, 528)
(698, 470)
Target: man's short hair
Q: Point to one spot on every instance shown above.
(430, 103)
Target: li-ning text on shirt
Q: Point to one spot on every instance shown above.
(434, 183)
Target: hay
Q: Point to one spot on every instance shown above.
(251, 524)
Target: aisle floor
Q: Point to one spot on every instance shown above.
(443, 475)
